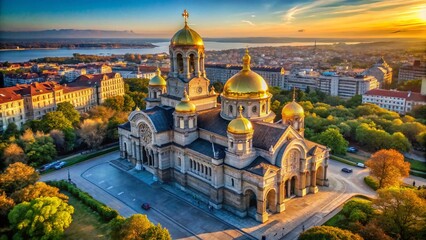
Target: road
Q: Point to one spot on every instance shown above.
(181, 219)
(185, 221)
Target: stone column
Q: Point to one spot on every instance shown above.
(288, 188)
(313, 188)
(138, 158)
(261, 214)
(325, 176)
(281, 196)
(176, 67)
(302, 185)
(186, 72)
(197, 66)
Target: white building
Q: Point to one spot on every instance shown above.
(347, 87)
(393, 100)
(381, 71)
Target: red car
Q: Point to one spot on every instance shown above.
(146, 206)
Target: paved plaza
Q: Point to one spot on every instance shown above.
(186, 214)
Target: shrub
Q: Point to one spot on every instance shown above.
(371, 182)
(106, 213)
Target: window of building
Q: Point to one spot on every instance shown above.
(181, 123)
(232, 182)
(254, 109)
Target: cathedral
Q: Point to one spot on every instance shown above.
(223, 146)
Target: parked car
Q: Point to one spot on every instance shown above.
(352, 149)
(361, 165)
(48, 166)
(146, 206)
(346, 170)
(59, 165)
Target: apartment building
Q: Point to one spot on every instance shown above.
(393, 100)
(346, 87)
(11, 109)
(412, 72)
(105, 85)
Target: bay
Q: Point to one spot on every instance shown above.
(163, 47)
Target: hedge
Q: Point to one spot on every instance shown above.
(371, 182)
(342, 160)
(106, 213)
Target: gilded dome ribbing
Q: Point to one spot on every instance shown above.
(292, 110)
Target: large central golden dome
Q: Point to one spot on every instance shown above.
(246, 83)
(187, 36)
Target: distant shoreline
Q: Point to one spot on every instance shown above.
(79, 48)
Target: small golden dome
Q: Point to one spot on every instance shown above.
(240, 125)
(187, 36)
(291, 110)
(246, 82)
(185, 105)
(157, 80)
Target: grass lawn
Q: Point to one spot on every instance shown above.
(86, 224)
(417, 165)
(339, 216)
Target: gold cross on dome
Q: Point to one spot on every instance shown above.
(185, 15)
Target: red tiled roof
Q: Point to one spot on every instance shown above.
(8, 95)
(409, 96)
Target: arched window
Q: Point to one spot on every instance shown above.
(232, 182)
(231, 110)
(179, 162)
(179, 59)
(263, 107)
(190, 163)
(254, 109)
(191, 63)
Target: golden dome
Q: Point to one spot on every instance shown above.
(187, 36)
(246, 82)
(240, 125)
(157, 80)
(185, 105)
(291, 110)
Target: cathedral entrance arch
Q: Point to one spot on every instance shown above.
(271, 201)
(250, 202)
(290, 187)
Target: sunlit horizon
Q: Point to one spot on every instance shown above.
(223, 19)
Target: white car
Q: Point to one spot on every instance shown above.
(361, 165)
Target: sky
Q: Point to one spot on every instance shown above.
(224, 18)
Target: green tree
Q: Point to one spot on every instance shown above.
(139, 99)
(333, 139)
(388, 167)
(41, 151)
(129, 104)
(419, 112)
(55, 120)
(402, 212)
(400, 142)
(136, 227)
(69, 112)
(42, 218)
(358, 210)
(11, 131)
(115, 103)
(69, 139)
(39, 189)
(17, 176)
(354, 101)
(328, 233)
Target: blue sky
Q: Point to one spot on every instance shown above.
(223, 18)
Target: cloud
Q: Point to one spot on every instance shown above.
(253, 16)
(290, 15)
(248, 22)
(301, 30)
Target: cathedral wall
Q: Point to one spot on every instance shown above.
(198, 185)
(218, 139)
(179, 177)
(163, 137)
(234, 202)
(232, 179)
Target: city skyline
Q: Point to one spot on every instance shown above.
(321, 18)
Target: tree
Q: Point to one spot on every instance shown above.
(13, 153)
(41, 151)
(6, 204)
(69, 138)
(139, 99)
(92, 132)
(17, 176)
(136, 227)
(388, 167)
(69, 112)
(11, 131)
(42, 218)
(373, 232)
(354, 101)
(55, 120)
(115, 103)
(419, 111)
(39, 189)
(333, 139)
(402, 212)
(399, 142)
(358, 210)
(129, 104)
(328, 233)
(58, 138)
(101, 112)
